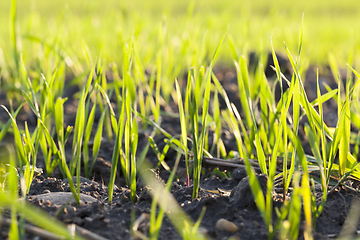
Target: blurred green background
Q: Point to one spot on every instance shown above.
(180, 28)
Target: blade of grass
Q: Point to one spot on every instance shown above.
(183, 124)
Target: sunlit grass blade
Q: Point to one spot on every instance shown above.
(305, 186)
(307, 205)
(78, 132)
(6, 127)
(301, 37)
(89, 126)
(161, 156)
(14, 36)
(31, 153)
(316, 151)
(232, 48)
(134, 144)
(295, 208)
(323, 143)
(325, 97)
(127, 64)
(217, 142)
(351, 93)
(18, 140)
(12, 190)
(335, 69)
(117, 150)
(59, 118)
(97, 139)
(133, 140)
(112, 113)
(344, 123)
(88, 54)
(183, 123)
(244, 92)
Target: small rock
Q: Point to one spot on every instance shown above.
(61, 198)
(242, 225)
(225, 225)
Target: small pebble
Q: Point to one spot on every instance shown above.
(46, 191)
(225, 225)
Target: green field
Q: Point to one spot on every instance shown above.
(186, 26)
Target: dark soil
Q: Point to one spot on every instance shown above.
(113, 220)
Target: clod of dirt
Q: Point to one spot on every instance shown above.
(41, 185)
(242, 196)
(102, 170)
(238, 174)
(61, 198)
(225, 225)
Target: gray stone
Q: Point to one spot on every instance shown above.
(61, 198)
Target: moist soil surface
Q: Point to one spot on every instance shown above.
(227, 198)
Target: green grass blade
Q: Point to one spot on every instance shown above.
(14, 35)
(244, 89)
(6, 127)
(97, 139)
(234, 53)
(18, 140)
(88, 128)
(117, 151)
(325, 97)
(344, 123)
(112, 113)
(301, 36)
(183, 124)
